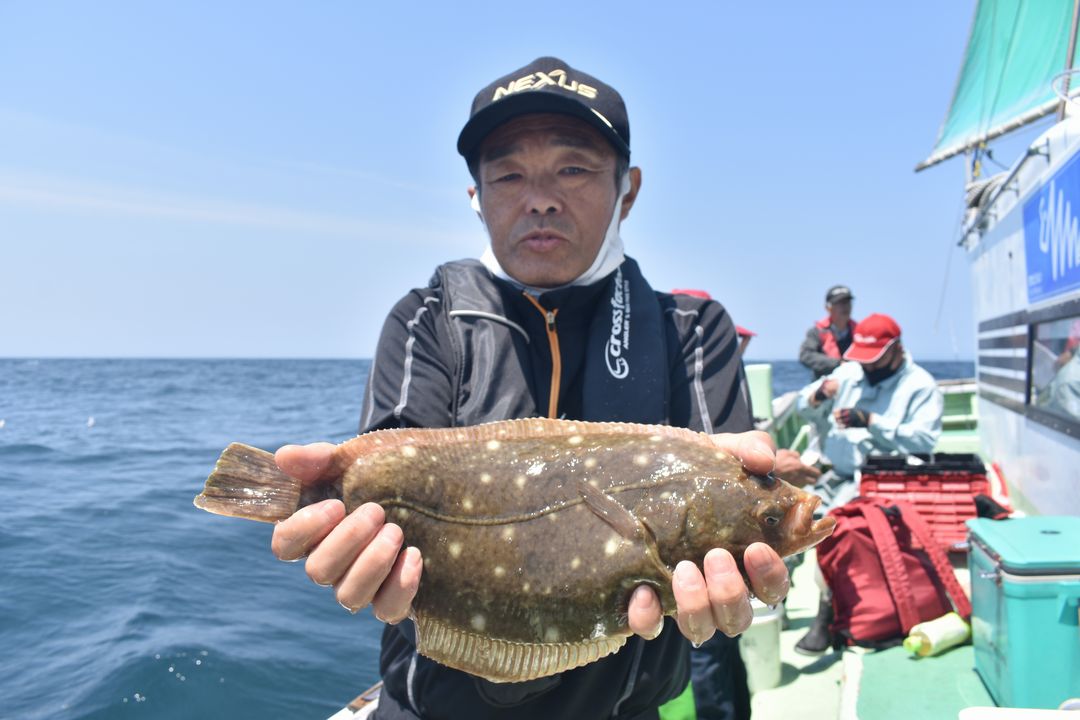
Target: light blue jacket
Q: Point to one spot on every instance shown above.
(1062, 393)
(907, 411)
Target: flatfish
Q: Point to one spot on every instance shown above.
(535, 532)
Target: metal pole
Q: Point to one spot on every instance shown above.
(1069, 59)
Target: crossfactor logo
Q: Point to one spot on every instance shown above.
(619, 341)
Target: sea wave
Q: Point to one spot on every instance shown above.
(200, 681)
(121, 598)
(21, 451)
(190, 681)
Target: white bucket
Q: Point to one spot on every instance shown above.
(760, 647)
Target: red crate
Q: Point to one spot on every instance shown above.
(943, 491)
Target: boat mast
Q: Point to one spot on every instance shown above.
(1069, 60)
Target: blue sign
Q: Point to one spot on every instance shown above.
(1052, 235)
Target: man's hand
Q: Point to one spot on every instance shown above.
(824, 391)
(852, 418)
(790, 468)
(718, 599)
(358, 555)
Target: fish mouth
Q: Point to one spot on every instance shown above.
(801, 528)
(822, 529)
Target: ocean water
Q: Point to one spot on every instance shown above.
(118, 598)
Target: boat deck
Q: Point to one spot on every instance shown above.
(893, 684)
(809, 686)
(864, 684)
(848, 685)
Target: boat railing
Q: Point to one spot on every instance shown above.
(787, 427)
(960, 410)
(780, 418)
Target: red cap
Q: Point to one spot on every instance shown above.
(692, 293)
(1074, 336)
(872, 337)
(739, 329)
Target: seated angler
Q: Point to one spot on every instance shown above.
(881, 402)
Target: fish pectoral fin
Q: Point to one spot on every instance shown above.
(652, 547)
(626, 524)
(610, 511)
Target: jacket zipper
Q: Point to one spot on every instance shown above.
(556, 356)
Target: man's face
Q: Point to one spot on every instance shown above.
(547, 192)
(891, 358)
(839, 312)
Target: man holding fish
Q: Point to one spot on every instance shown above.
(553, 321)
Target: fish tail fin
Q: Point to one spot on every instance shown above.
(247, 483)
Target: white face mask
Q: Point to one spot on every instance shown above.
(607, 259)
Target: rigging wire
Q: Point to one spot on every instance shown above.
(988, 153)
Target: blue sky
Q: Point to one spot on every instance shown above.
(207, 179)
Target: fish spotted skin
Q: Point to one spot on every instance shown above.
(535, 532)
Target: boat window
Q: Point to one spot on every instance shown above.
(1055, 367)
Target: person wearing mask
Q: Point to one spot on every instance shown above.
(540, 326)
(881, 402)
(823, 349)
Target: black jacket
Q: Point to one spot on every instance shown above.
(471, 348)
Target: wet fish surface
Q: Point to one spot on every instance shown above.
(535, 532)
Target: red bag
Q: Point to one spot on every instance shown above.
(886, 573)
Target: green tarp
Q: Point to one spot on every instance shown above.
(896, 686)
(1016, 47)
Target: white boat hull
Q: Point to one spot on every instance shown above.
(1036, 446)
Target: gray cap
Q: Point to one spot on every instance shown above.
(838, 293)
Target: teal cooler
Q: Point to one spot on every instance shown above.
(1025, 597)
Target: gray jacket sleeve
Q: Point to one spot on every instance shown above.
(708, 386)
(411, 382)
(811, 356)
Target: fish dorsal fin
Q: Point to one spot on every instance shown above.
(610, 511)
(503, 430)
(502, 661)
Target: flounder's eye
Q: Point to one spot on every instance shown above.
(768, 481)
(772, 520)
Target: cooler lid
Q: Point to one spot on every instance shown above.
(1039, 545)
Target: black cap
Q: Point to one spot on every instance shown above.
(547, 85)
(838, 293)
